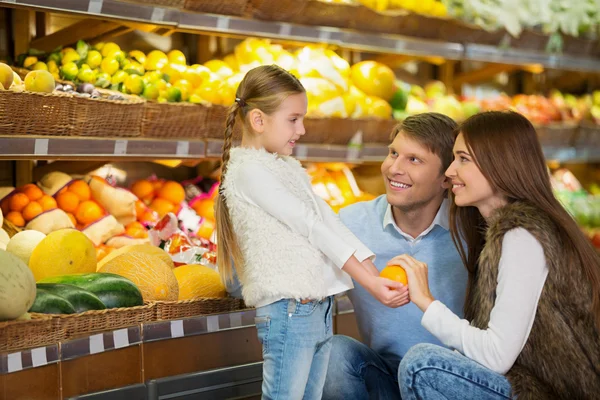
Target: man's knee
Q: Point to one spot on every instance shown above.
(345, 351)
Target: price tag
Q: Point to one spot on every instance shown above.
(95, 6)
(285, 29)
(41, 147)
(301, 151)
(235, 319)
(223, 23)
(158, 14)
(121, 338)
(15, 362)
(177, 329)
(183, 148)
(400, 45)
(324, 35)
(120, 147)
(39, 357)
(96, 343)
(212, 323)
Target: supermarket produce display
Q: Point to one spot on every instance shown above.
(125, 253)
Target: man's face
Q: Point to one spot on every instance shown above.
(412, 174)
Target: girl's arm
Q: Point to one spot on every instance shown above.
(522, 273)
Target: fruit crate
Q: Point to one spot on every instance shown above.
(10, 228)
(30, 113)
(80, 324)
(102, 117)
(329, 130)
(588, 135)
(215, 123)
(376, 130)
(160, 3)
(174, 120)
(557, 134)
(40, 330)
(170, 310)
(228, 7)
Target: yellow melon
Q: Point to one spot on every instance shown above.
(63, 252)
(138, 248)
(150, 274)
(197, 281)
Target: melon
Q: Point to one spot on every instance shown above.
(4, 239)
(63, 252)
(150, 274)
(1, 218)
(23, 244)
(138, 248)
(17, 287)
(198, 281)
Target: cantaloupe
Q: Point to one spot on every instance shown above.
(23, 244)
(197, 281)
(4, 239)
(138, 248)
(17, 287)
(150, 274)
(63, 252)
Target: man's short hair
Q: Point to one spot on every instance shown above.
(433, 130)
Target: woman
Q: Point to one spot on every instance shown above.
(533, 298)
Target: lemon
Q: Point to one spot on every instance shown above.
(231, 60)
(67, 50)
(99, 46)
(161, 84)
(69, 71)
(52, 67)
(152, 76)
(103, 80)
(71, 56)
(85, 66)
(55, 57)
(195, 99)
(151, 92)
(119, 77)
(109, 48)
(109, 65)
(134, 84)
(173, 95)
(94, 58)
(210, 91)
(40, 66)
(219, 67)
(185, 87)
(29, 61)
(375, 79)
(196, 74)
(176, 57)
(138, 56)
(134, 68)
(86, 75)
(118, 55)
(173, 71)
(155, 60)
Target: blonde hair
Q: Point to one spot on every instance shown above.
(263, 88)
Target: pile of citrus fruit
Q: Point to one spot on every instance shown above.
(26, 203)
(160, 196)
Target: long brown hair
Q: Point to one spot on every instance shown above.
(263, 88)
(506, 149)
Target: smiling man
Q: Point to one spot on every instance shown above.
(411, 218)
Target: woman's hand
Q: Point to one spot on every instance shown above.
(418, 282)
(387, 292)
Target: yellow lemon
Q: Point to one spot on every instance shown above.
(40, 66)
(109, 65)
(173, 72)
(29, 61)
(109, 48)
(151, 92)
(52, 66)
(196, 74)
(94, 58)
(119, 77)
(375, 79)
(185, 87)
(209, 90)
(137, 56)
(219, 67)
(134, 84)
(70, 57)
(155, 60)
(69, 71)
(176, 57)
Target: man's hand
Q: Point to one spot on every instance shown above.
(418, 282)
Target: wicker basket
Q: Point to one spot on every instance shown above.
(215, 123)
(588, 135)
(80, 324)
(557, 134)
(108, 118)
(227, 7)
(329, 130)
(41, 330)
(278, 10)
(160, 3)
(376, 130)
(29, 113)
(169, 310)
(10, 228)
(174, 120)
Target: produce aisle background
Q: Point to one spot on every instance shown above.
(122, 125)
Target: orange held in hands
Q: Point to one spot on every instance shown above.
(395, 273)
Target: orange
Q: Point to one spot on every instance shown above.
(88, 212)
(162, 207)
(142, 189)
(149, 216)
(395, 273)
(67, 201)
(158, 184)
(172, 191)
(32, 191)
(18, 202)
(47, 203)
(206, 229)
(32, 210)
(136, 230)
(16, 218)
(72, 218)
(205, 208)
(81, 189)
(140, 208)
(102, 251)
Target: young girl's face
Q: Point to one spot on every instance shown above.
(285, 126)
(469, 185)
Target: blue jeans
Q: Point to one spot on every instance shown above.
(432, 372)
(357, 372)
(296, 340)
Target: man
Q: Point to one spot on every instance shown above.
(411, 218)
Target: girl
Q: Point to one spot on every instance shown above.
(533, 297)
(290, 250)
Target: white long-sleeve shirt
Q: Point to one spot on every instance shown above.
(522, 273)
(261, 187)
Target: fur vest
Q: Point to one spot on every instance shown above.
(561, 358)
(279, 263)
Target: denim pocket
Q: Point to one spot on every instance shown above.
(305, 310)
(263, 325)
